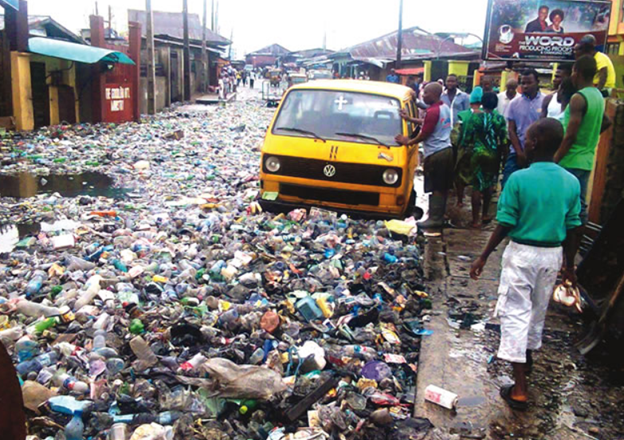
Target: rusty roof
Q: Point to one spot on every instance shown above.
(170, 24)
(417, 44)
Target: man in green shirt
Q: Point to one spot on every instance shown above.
(539, 210)
(583, 120)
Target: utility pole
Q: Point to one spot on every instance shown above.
(216, 29)
(97, 12)
(110, 21)
(212, 17)
(205, 62)
(187, 52)
(400, 36)
(230, 48)
(151, 67)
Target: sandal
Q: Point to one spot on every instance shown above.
(505, 393)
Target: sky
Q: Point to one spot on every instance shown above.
(294, 24)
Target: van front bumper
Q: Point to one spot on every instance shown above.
(280, 206)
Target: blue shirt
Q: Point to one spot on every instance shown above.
(459, 104)
(524, 111)
(393, 78)
(540, 204)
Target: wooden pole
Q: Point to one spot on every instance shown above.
(205, 66)
(400, 36)
(151, 65)
(187, 52)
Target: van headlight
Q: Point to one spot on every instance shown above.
(390, 177)
(273, 164)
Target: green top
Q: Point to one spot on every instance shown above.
(540, 204)
(581, 155)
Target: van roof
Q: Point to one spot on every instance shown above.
(351, 85)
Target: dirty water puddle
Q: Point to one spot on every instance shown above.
(25, 185)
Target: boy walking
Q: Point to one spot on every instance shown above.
(439, 162)
(539, 210)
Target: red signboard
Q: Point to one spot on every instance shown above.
(118, 103)
(543, 30)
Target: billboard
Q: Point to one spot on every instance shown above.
(542, 30)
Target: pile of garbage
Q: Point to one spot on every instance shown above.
(178, 309)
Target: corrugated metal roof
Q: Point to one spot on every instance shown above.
(171, 24)
(80, 53)
(46, 26)
(273, 50)
(417, 44)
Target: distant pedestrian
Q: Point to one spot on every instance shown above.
(605, 76)
(521, 114)
(393, 77)
(539, 211)
(435, 136)
(551, 107)
(481, 137)
(584, 120)
(251, 80)
(504, 98)
(454, 97)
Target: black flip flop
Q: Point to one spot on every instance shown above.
(505, 393)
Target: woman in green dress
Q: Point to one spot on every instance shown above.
(480, 137)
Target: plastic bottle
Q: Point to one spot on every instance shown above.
(119, 431)
(34, 285)
(114, 365)
(92, 288)
(74, 430)
(389, 258)
(44, 325)
(248, 406)
(193, 363)
(36, 364)
(143, 352)
(99, 340)
(26, 349)
(70, 383)
(29, 308)
(256, 357)
(119, 265)
(136, 327)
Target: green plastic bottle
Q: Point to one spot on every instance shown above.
(44, 325)
(136, 327)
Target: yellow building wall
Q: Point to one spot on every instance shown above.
(427, 74)
(616, 18)
(459, 68)
(22, 91)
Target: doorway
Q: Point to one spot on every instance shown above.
(40, 94)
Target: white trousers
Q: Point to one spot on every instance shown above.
(527, 281)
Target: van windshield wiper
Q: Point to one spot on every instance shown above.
(299, 130)
(363, 136)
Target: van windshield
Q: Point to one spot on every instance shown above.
(334, 115)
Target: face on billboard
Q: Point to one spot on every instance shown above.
(543, 30)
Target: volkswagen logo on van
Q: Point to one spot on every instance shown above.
(329, 170)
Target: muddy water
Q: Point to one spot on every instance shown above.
(24, 185)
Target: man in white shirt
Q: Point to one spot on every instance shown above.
(504, 98)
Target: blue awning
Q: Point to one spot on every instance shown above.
(79, 53)
(10, 3)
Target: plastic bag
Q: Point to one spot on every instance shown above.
(243, 381)
(568, 295)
